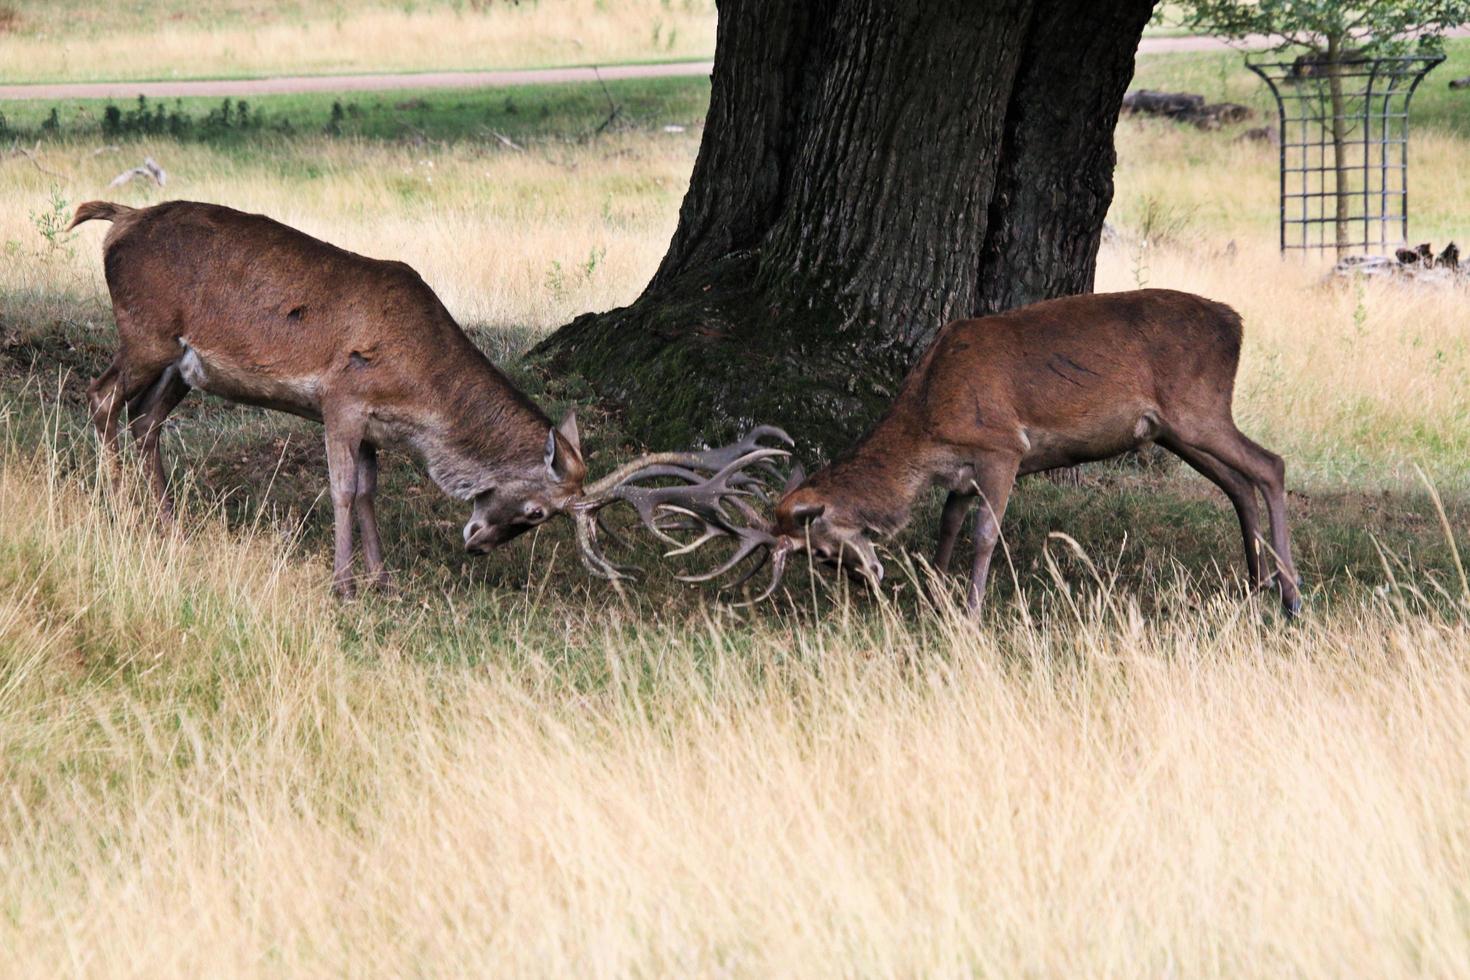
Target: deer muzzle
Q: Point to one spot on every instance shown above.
(480, 538)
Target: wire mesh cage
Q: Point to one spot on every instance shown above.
(1344, 140)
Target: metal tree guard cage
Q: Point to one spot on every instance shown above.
(1344, 174)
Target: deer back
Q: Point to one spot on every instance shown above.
(261, 313)
(1076, 365)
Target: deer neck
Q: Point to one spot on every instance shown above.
(879, 481)
(479, 432)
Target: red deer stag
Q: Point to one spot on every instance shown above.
(246, 308)
(1050, 385)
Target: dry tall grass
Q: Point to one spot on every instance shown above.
(365, 38)
(505, 238)
(204, 774)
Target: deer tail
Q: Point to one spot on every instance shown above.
(99, 209)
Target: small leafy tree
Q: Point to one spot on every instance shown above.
(1333, 32)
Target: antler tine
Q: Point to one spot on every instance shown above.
(709, 460)
(769, 431)
(705, 503)
(750, 539)
(707, 492)
(750, 572)
(648, 513)
(592, 557)
(666, 470)
(722, 456)
(778, 568)
(710, 532)
(597, 491)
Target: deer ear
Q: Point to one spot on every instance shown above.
(806, 513)
(568, 429)
(796, 479)
(563, 460)
(549, 455)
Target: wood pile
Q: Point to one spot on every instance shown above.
(1419, 264)
(1185, 107)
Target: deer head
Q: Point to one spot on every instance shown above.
(808, 520)
(523, 499)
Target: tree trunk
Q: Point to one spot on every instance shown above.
(1336, 51)
(870, 170)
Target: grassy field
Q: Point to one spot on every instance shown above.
(1131, 768)
(1223, 76)
(77, 40)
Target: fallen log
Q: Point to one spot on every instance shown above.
(1185, 107)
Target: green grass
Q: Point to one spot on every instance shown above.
(567, 111)
(1221, 76)
(576, 108)
(573, 109)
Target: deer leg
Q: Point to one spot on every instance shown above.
(146, 423)
(1273, 488)
(127, 383)
(105, 402)
(1268, 472)
(950, 520)
(1242, 496)
(342, 451)
(367, 516)
(993, 481)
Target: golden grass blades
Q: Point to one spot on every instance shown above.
(203, 776)
(200, 42)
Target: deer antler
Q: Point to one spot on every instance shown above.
(708, 460)
(712, 499)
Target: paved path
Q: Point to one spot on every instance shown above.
(349, 83)
(462, 79)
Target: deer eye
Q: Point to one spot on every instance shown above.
(535, 514)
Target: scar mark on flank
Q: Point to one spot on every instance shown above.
(1073, 364)
(1053, 362)
(295, 313)
(1051, 366)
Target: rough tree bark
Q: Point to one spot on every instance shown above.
(870, 170)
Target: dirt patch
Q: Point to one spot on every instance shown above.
(56, 362)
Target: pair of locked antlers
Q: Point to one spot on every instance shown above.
(712, 494)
